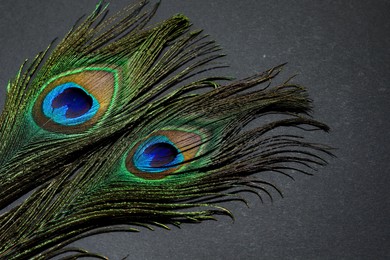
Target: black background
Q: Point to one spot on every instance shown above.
(340, 49)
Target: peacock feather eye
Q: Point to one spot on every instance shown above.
(162, 153)
(156, 155)
(70, 104)
(75, 101)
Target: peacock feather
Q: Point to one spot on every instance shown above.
(105, 130)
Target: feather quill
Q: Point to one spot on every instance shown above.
(106, 133)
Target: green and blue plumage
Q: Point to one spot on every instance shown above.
(105, 132)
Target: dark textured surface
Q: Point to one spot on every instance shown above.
(340, 49)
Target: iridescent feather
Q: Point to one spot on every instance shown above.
(106, 133)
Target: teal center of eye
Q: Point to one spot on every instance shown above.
(156, 155)
(70, 104)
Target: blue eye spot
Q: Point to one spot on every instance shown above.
(161, 154)
(70, 104)
(77, 101)
(156, 155)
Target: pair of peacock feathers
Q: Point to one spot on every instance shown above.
(103, 132)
